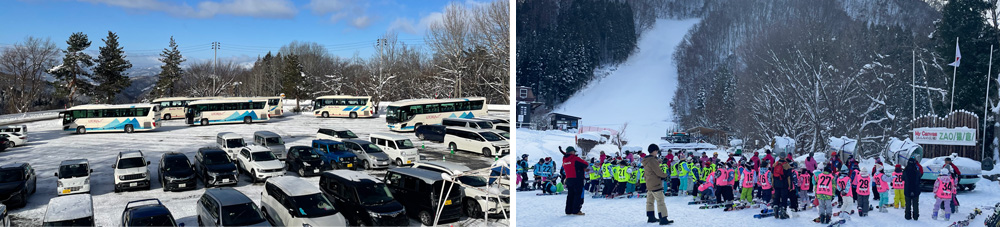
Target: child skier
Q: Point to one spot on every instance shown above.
(863, 182)
(621, 177)
(897, 187)
(606, 169)
(844, 184)
(824, 193)
(675, 181)
(724, 184)
(804, 187)
(641, 175)
(682, 176)
(696, 178)
(630, 172)
(764, 181)
(665, 166)
(707, 189)
(539, 173)
(882, 186)
(748, 181)
(944, 188)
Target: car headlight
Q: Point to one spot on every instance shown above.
(305, 164)
(343, 159)
(58, 183)
(86, 181)
(214, 174)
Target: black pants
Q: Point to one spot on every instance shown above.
(593, 185)
(609, 186)
(574, 200)
(640, 188)
(524, 181)
(694, 190)
(793, 199)
(912, 209)
(675, 183)
(725, 193)
(620, 187)
(780, 196)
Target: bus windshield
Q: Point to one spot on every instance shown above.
(273, 102)
(393, 114)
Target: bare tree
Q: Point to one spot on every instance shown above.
(23, 70)
(450, 38)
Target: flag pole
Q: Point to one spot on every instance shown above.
(953, 71)
(986, 102)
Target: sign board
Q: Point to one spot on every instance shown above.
(945, 136)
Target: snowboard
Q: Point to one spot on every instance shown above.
(848, 213)
(743, 207)
(837, 223)
(965, 222)
(764, 215)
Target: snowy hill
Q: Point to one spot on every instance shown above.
(639, 91)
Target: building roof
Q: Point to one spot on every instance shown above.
(427, 176)
(530, 97)
(69, 207)
(566, 116)
(294, 186)
(228, 196)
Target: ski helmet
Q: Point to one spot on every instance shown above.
(524, 156)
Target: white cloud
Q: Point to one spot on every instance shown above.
(208, 9)
(353, 12)
(361, 22)
(407, 25)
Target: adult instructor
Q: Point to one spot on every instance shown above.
(654, 183)
(574, 167)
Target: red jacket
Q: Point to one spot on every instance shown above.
(574, 166)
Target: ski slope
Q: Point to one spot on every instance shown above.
(639, 91)
(48, 145)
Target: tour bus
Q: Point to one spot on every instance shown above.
(343, 106)
(110, 118)
(274, 102)
(173, 107)
(406, 115)
(221, 111)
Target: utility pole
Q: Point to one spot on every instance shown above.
(380, 43)
(215, 64)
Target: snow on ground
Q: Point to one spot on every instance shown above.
(49, 145)
(639, 92)
(533, 210)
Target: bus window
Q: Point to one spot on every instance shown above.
(447, 107)
(258, 105)
(94, 113)
(431, 108)
(477, 105)
(362, 102)
(273, 102)
(461, 106)
(417, 109)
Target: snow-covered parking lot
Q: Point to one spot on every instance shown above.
(49, 145)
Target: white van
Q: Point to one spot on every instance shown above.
(231, 143)
(73, 177)
(468, 123)
(338, 134)
(272, 141)
(476, 140)
(23, 129)
(292, 201)
(399, 148)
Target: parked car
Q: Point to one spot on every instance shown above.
(503, 135)
(370, 155)
(214, 167)
(23, 129)
(131, 171)
(73, 177)
(70, 210)
(176, 172)
(231, 143)
(362, 199)
(399, 148)
(292, 201)
(431, 132)
(271, 141)
(14, 138)
(259, 163)
(336, 155)
(335, 134)
(228, 207)
(495, 120)
(4, 216)
(147, 214)
(475, 140)
(304, 160)
(476, 198)
(17, 183)
(468, 123)
(419, 191)
(3, 143)
(502, 127)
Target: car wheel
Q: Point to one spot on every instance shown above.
(970, 187)
(117, 190)
(486, 152)
(129, 129)
(472, 209)
(399, 162)
(247, 120)
(420, 136)
(354, 115)
(204, 122)
(426, 218)
(302, 173)
(199, 222)
(253, 176)
(364, 164)
(34, 186)
(452, 147)
(24, 198)
(81, 130)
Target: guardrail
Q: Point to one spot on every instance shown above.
(9, 119)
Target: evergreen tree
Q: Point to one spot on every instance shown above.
(171, 70)
(963, 19)
(72, 74)
(292, 78)
(110, 70)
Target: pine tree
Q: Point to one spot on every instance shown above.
(292, 78)
(963, 19)
(72, 74)
(110, 70)
(171, 70)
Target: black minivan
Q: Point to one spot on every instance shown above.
(304, 160)
(362, 199)
(419, 191)
(430, 132)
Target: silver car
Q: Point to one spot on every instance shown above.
(369, 155)
(272, 141)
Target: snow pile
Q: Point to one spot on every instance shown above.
(900, 150)
(843, 144)
(592, 136)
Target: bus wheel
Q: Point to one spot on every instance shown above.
(247, 120)
(326, 115)
(354, 115)
(204, 122)
(166, 117)
(129, 129)
(81, 130)
(486, 152)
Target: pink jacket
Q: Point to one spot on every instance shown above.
(810, 164)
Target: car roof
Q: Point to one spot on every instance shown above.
(266, 134)
(357, 141)
(12, 165)
(228, 196)
(353, 177)
(326, 141)
(229, 135)
(69, 207)
(337, 128)
(294, 186)
(426, 175)
(130, 154)
(74, 162)
(149, 210)
(451, 167)
(476, 130)
(466, 119)
(257, 148)
(210, 150)
(388, 136)
(174, 155)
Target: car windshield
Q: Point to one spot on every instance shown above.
(87, 221)
(11, 175)
(315, 205)
(404, 144)
(371, 148)
(159, 220)
(505, 135)
(374, 194)
(73, 170)
(485, 125)
(216, 158)
(489, 136)
(505, 128)
(176, 163)
(308, 154)
(262, 156)
(241, 214)
(473, 181)
(274, 141)
(128, 163)
(235, 143)
(346, 134)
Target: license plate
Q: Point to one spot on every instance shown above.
(182, 185)
(316, 171)
(408, 161)
(64, 191)
(133, 184)
(350, 165)
(225, 180)
(447, 202)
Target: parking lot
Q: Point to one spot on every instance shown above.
(49, 145)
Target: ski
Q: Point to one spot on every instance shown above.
(967, 219)
(714, 206)
(637, 196)
(743, 207)
(698, 202)
(764, 215)
(541, 194)
(837, 223)
(848, 213)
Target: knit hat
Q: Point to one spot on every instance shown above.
(570, 149)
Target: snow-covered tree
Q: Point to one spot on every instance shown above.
(110, 70)
(170, 72)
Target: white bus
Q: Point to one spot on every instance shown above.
(406, 115)
(110, 118)
(220, 111)
(343, 106)
(173, 107)
(274, 102)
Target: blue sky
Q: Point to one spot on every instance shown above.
(245, 28)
